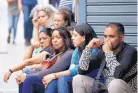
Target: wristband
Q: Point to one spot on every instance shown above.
(54, 76)
(10, 70)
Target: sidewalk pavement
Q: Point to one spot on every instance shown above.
(10, 55)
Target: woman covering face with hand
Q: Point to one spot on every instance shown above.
(42, 17)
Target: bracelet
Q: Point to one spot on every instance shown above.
(10, 70)
(54, 76)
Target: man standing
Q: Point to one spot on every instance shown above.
(27, 6)
(120, 70)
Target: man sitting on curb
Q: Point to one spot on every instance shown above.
(120, 70)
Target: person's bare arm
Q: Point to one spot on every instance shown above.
(36, 28)
(19, 5)
(10, 1)
(29, 53)
(63, 73)
(35, 66)
(35, 60)
(48, 78)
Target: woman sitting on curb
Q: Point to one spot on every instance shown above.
(45, 40)
(59, 82)
(61, 43)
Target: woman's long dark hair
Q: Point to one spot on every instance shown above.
(86, 30)
(64, 33)
(47, 31)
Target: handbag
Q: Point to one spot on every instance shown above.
(49, 62)
(99, 87)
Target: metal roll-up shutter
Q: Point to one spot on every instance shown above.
(101, 12)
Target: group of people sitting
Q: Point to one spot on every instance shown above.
(66, 59)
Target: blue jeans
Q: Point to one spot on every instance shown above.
(52, 87)
(62, 85)
(13, 20)
(28, 26)
(32, 84)
(29, 71)
(65, 84)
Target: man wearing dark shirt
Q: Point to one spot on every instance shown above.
(120, 70)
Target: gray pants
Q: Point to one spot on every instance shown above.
(83, 84)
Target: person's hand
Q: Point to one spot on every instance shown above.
(7, 76)
(20, 78)
(47, 79)
(36, 44)
(107, 46)
(20, 7)
(35, 23)
(94, 43)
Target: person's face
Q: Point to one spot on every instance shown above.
(77, 39)
(42, 18)
(45, 40)
(57, 41)
(111, 35)
(58, 20)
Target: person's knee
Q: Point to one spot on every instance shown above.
(76, 79)
(31, 79)
(82, 83)
(116, 85)
(52, 87)
(53, 83)
(28, 79)
(62, 79)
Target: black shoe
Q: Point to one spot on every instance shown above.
(8, 39)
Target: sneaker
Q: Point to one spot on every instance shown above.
(8, 39)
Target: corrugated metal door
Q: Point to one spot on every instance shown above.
(101, 12)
